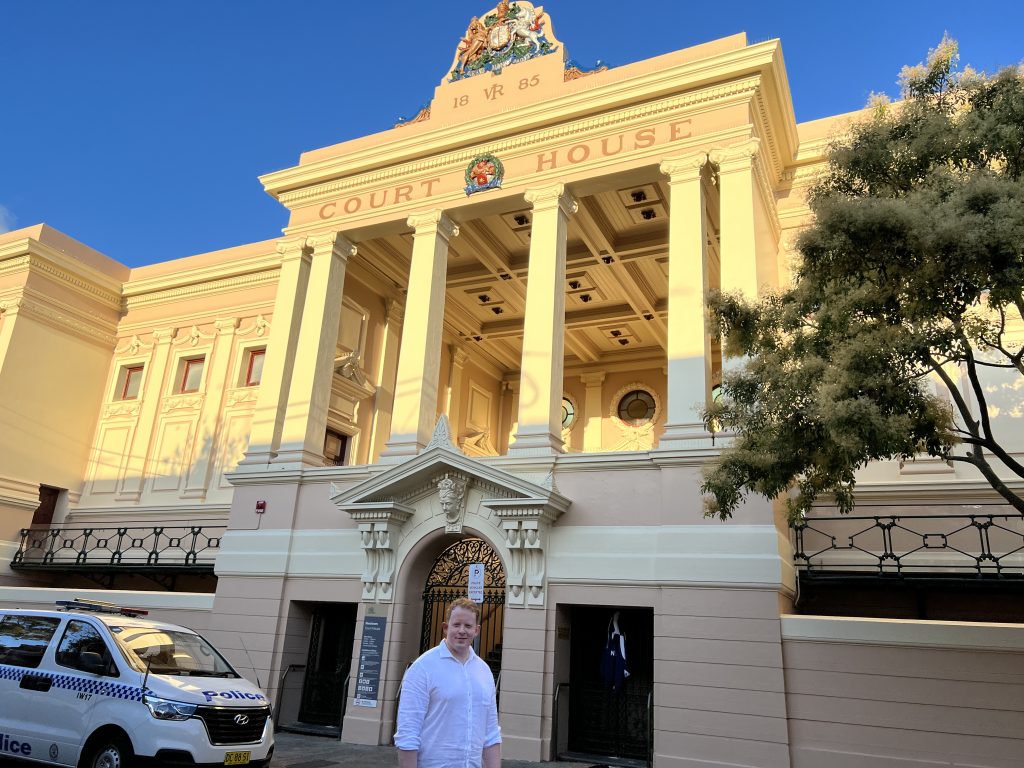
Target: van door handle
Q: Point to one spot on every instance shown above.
(36, 682)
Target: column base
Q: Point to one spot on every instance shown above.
(396, 452)
(684, 436)
(536, 444)
(298, 457)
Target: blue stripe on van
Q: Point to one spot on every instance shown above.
(100, 687)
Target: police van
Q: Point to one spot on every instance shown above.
(97, 686)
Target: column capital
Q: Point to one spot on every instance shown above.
(292, 248)
(433, 222)
(394, 310)
(226, 325)
(545, 198)
(735, 157)
(332, 242)
(459, 355)
(684, 167)
(592, 379)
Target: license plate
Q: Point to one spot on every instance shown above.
(236, 758)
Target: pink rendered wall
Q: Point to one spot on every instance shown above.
(853, 705)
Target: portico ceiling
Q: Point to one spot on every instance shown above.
(616, 282)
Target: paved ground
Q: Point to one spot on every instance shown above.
(294, 751)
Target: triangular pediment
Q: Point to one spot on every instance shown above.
(417, 475)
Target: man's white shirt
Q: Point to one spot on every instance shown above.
(447, 711)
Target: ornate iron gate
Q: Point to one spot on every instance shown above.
(449, 580)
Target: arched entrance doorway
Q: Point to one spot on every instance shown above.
(448, 580)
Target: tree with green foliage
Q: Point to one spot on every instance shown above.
(910, 275)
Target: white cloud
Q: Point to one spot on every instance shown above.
(7, 219)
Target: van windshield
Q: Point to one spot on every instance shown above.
(171, 652)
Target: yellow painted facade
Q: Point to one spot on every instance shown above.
(291, 390)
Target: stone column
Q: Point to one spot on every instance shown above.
(384, 401)
(153, 392)
(689, 342)
(540, 389)
(419, 361)
(593, 412)
(454, 401)
(738, 217)
(216, 383)
(268, 415)
(309, 394)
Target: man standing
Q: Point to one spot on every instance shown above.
(448, 713)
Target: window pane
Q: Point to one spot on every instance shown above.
(132, 380)
(255, 374)
(23, 639)
(78, 638)
(193, 375)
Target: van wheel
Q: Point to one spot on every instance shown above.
(109, 751)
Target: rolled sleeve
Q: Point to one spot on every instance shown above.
(412, 708)
(492, 731)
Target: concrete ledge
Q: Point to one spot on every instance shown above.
(195, 601)
(904, 632)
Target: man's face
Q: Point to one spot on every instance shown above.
(461, 629)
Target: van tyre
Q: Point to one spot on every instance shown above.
(108, 751)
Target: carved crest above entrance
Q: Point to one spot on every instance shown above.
(509, 34)
(443, 490)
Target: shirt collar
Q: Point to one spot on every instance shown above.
(446, 652)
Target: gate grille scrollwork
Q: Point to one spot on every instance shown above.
(448, 580)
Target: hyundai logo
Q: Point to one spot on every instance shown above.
(241, 719)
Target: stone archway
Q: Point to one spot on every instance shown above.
(448, 580)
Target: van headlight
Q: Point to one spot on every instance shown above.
(165, 709)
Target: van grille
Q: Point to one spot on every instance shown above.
(222, 728)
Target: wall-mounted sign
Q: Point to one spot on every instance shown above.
(476, 582)
(371, 652)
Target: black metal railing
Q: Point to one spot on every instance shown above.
(189, 547)
(972, 545)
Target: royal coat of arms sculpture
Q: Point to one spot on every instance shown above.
(512, 33)
(484, 172)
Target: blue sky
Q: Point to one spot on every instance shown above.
(139, 127)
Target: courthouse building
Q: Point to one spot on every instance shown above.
(482, 339)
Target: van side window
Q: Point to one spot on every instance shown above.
(23, 639)
(80, 638)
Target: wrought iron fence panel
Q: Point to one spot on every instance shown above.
(975, 544)
(130, 546)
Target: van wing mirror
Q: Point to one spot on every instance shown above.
(90, 661)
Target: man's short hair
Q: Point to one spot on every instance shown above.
(467, 604)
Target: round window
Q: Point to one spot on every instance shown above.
(568, 413)
(637, 408)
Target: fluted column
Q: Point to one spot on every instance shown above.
(419, 361)
(689, 341)
(540, 391)
(268, 416)
(309, 395)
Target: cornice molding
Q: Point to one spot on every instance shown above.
(196, 289)
(744, 89)
(85, 325)
(55, 265)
